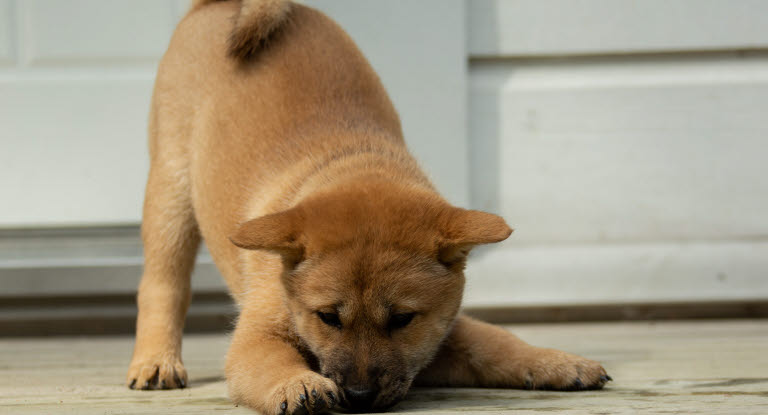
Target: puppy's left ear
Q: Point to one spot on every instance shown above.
(279, 232)
(463, 229)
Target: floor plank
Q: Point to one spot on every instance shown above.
(662, 367)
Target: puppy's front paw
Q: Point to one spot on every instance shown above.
(306, 393)
(555, 370)
(157, 371)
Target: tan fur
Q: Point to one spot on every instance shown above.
(290, 164)
(256, 21)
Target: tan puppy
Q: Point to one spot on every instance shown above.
(272, 138)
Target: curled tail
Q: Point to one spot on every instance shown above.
(258, 19)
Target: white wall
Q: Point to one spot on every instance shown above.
(626, 141)
(74, 91)
(75, 82)
(76, 78)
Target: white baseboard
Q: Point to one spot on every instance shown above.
(82, 262)
(108, 261)
(618, 273)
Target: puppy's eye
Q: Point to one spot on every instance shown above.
(331, 319)
(398, 321)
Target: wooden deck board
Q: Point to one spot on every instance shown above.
(661, 367)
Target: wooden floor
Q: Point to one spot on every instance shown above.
(670, 367)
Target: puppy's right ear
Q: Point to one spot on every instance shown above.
(463, 229)
(279, 232)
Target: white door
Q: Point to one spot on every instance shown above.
(76, 77)
(624, 140)
(75, 83)
(627, 142)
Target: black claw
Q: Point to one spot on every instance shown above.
(608, 377)
(283, 407)
(162, 384)
(302, 398)
(133, 384)
(314, 393)
(153, 381)
(332, 399)
(320, 405)
(182, 383)
(578, 384)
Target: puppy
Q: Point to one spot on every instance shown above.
(272, 139)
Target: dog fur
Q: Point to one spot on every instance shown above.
(272, 139)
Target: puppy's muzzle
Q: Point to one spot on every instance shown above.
(359, 399)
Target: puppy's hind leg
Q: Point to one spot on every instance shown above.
(478, 354)
(171, 239)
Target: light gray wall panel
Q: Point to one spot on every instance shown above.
(86, 31)
(656, 272)
(74, 120)
(74, 150)
(623, 150)
(6, 32)
(417, 47)
(552, 27)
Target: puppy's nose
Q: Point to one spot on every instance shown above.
(360, 399)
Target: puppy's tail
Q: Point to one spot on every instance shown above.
(257, 21)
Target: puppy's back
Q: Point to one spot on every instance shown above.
(256, 21)
(238, 126)
(308, 76)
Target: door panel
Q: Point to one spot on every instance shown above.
(76, 80)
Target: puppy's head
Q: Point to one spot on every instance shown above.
(373, 280)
